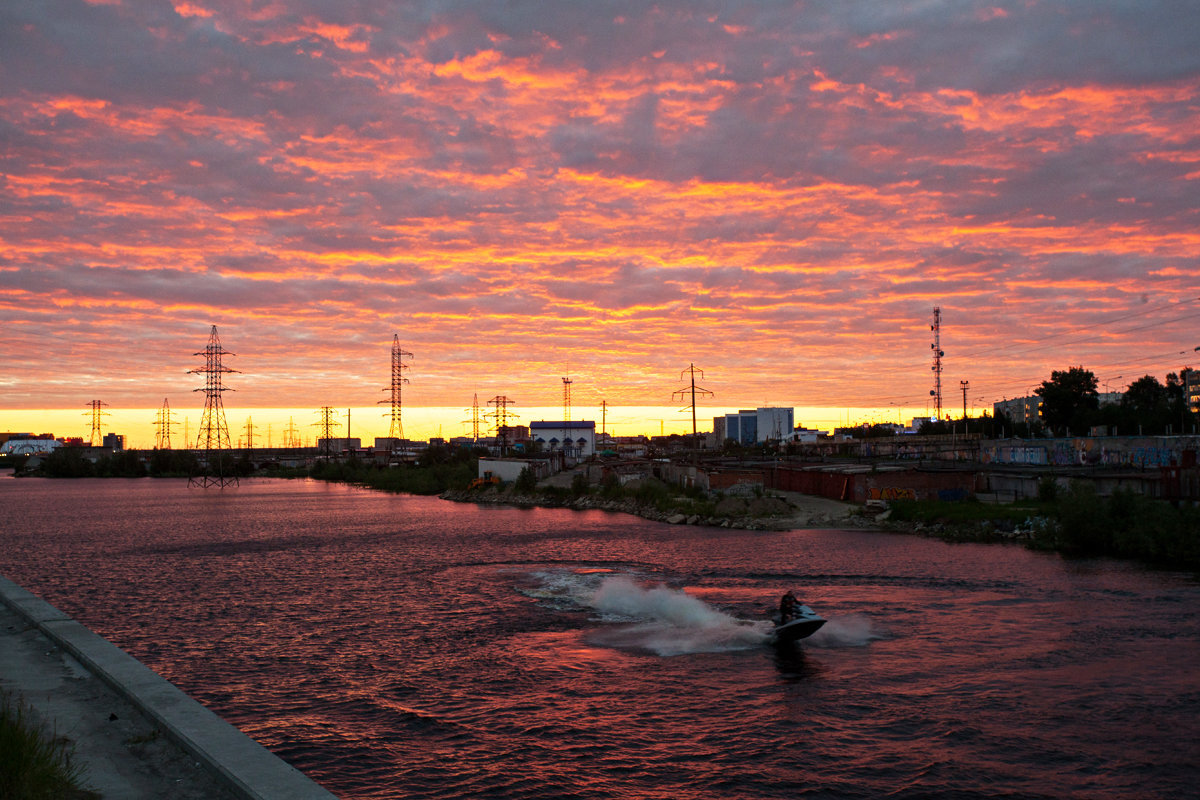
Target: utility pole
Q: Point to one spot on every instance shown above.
(214, 432)
(96, 439)
(396, 429)
(603, 417)
(936, 391)
(693, 390)
(964, 385)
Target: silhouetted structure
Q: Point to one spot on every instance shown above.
(693, 390)
(566, 399)
(396, 430)
(327, 424)
(936, 391)
(501, 416)
(214, 432)
(163, 423)
(95, 413)
(475, 418)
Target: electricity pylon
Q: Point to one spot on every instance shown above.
(327, 424)
(214, 432)
(96, 439)
(475, 419)
(163, 423)
(396, 430)
(501, 416)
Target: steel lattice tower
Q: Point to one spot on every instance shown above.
(936, 391)
(95, 439)
(501, 415)
(396, 430)
(566, 399)
(291, 434)
(693, 390)
(327, 424)
(214, 432)
(475, 419)
(164, 421)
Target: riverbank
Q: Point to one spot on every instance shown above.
(780, 511)
(132, 734)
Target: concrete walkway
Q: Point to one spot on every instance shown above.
(135, 734)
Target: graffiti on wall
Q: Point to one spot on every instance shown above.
(891, 493)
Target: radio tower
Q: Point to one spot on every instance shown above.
(214, 433)
(475, 418)
(683, 393)
(566, 399)
(396, 431)
(501, 415)
(327, 424)
(163, 423)
(936, 391)
(95, 440)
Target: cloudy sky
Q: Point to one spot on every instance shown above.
(777, 192)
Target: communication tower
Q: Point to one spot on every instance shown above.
(936, 391)
(214, 432)
(603, 416)
(163, 423)
(566, 399)
(396, 430)
(475, 419)
(693, 390)
(501, 416)
(96, 438)
(327, 423)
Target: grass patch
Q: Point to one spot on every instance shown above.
(35, 764)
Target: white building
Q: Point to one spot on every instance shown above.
(575, 439)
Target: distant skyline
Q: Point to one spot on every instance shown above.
(779, 193)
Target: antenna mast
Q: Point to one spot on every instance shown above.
(936, 391)
(566, 399)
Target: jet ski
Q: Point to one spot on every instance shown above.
(804, 623)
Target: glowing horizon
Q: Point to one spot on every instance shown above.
(777, 194)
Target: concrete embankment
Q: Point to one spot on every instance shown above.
(135, 734)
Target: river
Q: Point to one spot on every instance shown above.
(409, 647)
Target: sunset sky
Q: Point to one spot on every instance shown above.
(778, 192)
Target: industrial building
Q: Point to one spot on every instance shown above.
(754, 426)
(576, 439)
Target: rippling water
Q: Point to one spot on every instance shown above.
(395, 646)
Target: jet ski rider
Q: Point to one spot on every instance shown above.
(788, 606)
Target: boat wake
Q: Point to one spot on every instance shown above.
(669, 622)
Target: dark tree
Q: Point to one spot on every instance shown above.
(1069, 400)
(1146, 406)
